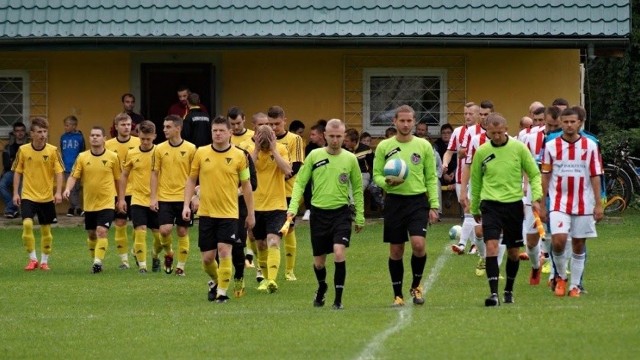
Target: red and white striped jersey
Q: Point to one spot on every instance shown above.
(454, 145)
(572, 165)
(528, 131)
(535, 143)
(471, 132)
(474, 144)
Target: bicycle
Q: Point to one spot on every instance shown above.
(622, 179)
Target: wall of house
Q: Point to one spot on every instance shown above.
(308, 84)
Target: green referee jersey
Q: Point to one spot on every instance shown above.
(418, 154)
(496, 174)
(332, 177)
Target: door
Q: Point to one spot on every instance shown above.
(160, 83)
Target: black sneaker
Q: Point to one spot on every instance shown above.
(213, 291)
(318, 300)
(71, 212)
(222, 299)
(337, 306)
(492, 300)
(142, 271)
(508, 297)
(79, 212)
(155, 265)
(96, 268)
(168, 264)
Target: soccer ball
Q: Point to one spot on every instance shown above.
(454, 232)
(396, 169)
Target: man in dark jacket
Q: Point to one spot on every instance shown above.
(17, 138)
(197, 124)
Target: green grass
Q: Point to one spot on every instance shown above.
(70, 313)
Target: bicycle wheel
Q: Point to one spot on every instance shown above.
(618, 183)
(615, 205)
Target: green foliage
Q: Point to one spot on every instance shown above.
(612, 137)
(613, 85)
(70, 313)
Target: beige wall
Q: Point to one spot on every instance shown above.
(307, 83)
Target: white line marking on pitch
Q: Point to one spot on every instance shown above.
(404, 314)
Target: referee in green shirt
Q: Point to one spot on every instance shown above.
(410, 204)
(496, 199)
(334, 172)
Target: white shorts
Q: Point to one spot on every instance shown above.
(529, 223)
(577, 226)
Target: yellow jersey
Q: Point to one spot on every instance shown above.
(295, 149)
(99, 174)
(219, 173)
(138, 164)
(173, 164)
(38, 169)
(239, 139)
(121, 148)
(271, 193)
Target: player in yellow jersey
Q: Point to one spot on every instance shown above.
(219, 167)
(136, 173)
(295, 148)
(121, 144)
(272, 166)
(168, 177)
(37, 165)
(99, 170)
(239, 133)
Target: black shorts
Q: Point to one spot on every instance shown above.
(212, 231)
(143, 216)
(268, 222)
(404, 216)
(127, 215)
(329, 227)
(505, 218)
(293, 221)
(103, 218)
(170, 212)
(241, 230)
(46, 211)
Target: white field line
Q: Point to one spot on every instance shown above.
(404, 315)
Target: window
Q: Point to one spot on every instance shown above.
(385, 89)
(14, 99)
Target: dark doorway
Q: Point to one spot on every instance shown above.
(159, 85)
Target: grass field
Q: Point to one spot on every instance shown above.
(70, 313)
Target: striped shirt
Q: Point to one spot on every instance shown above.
(455, 143)
(474, 144)
(572, 165)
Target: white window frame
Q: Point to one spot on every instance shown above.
(367, 73)
(5, 130)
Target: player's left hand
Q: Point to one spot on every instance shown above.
(250, 221)
(186, 214)
(57, 198)
(195, 204)
(598, 212)
(393, 182)
(433, 216)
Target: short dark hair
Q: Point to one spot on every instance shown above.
(552, 111)
(221, 120)
(318, 127)
(176, 119)
(147, 127)
(126, 95)
(352, 134)
(487, 104)
(18, 124)
(234, 112)
(296, 125)
(560, 101)
(275, 112)
(446, 126)
(183, 88)
(39, 122)
(364, 135)
(575, 110)
(98, 127)
(71, 118)
(193, 99)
